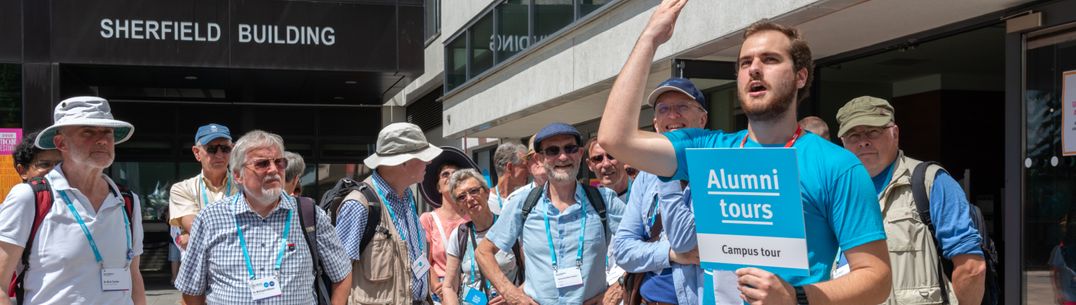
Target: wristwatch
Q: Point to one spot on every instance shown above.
(801, 296)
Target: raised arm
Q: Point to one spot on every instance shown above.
(619, 130)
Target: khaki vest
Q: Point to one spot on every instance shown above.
(912, 255)
(382, 275)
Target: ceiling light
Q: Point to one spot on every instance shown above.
(190, 77)
(351, 82)
(339, 98)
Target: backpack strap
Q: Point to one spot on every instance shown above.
(42, 204)
(462, 234)
(532, 199)
(373, 214)
(128, 203)
(922, 206)
(517, 251)
(598, 202)
(308, 220)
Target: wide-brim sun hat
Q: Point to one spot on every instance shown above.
(399, 142)
(428, 186)
(83, 111)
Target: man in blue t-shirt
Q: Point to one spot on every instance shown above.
(773, 74)
(869, 131)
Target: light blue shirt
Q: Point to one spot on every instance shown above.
(840, 208)
(565, 228)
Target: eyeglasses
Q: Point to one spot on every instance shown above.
(664, 109)
(868, 134)
(473, 192)
(263, 164)
(553, 151)
(212, 149)
(601, 157)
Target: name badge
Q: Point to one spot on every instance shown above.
(420, 266)
(474, 297)
(115, 279)
(568, 277)
(264, 288)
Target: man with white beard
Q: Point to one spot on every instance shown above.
(564, 232)
(239, 251)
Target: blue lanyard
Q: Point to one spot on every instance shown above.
(243, 242)
(654, 210)
(89, 236)
(470, 247)
(205, 199)
(500, 202)
(628, 194)
(549, 237)
(396, 222)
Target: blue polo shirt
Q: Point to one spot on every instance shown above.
(565, 229)
(840, 208)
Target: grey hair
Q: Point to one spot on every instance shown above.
(458, 177)
(251, 140)
(508, 153)
(296, 166)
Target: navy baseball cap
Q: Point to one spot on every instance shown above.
(555, 129)
(681, 85)
(211, 132)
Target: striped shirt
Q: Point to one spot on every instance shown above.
(213, 264)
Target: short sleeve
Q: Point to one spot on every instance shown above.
(681, 140)
(453, 248)
(194, 271)
(350, 226)
(16, 215)
(330, 250)
(854, 214)
(181, 202)
(509, 226)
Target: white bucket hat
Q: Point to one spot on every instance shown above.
(399, 142)
(83, 111)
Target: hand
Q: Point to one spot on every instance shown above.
(759, 287)
(515, 296)
(613, 295)
(596, 300)
(499, 299)
(5, 300)
(686, 258)
(660, 27)
(183, 239)
(437, 288)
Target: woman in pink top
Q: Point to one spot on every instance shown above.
(447, 215)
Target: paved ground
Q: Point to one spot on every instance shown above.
(158, 290)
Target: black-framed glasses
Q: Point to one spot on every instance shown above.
(871, 133)
(263, 164)
(601, 157)
(473, 192)
(212, 149)
(553, 151)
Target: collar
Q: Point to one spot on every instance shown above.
(241, 206)
(209, 185)
(388, 191)
(580, 196)
(58, 181)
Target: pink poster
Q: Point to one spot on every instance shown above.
(9, 138)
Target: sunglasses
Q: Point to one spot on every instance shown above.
(553, 151)
(473, 192)
(263, 164)
(212, 149)
(601, 157)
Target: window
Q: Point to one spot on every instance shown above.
(10, 96)
(433, 18)
(588, 6)
(513, 29)
(481, 55)
(551, 16)
(456, 62)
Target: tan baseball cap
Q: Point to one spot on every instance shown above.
(864, 111)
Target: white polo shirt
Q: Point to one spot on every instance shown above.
(62, 265)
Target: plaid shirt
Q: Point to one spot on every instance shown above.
(351, 222)
(213, 264)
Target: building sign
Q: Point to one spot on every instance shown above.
(1068, 116)
(9, 138)
(237, 34)
(753, 198)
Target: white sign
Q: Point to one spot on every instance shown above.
(1068, 116)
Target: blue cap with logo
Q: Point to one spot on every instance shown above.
(681, 85)
(210, 132)
(556, 129)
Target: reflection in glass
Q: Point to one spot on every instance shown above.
(550, 16)
(588, 6)
(512, 29)
(151, 181)
(481, 56)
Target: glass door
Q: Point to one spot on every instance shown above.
(1049, 167)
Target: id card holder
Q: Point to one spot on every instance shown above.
(568, 277)
(115, 279)
(264, 288)
(420, 266)
(475, 297)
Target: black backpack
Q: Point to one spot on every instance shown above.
(334, 197)
(991, 290)
(593, 196)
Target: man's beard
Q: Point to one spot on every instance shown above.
(268, 194)
(777, 105)
(558, 176)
